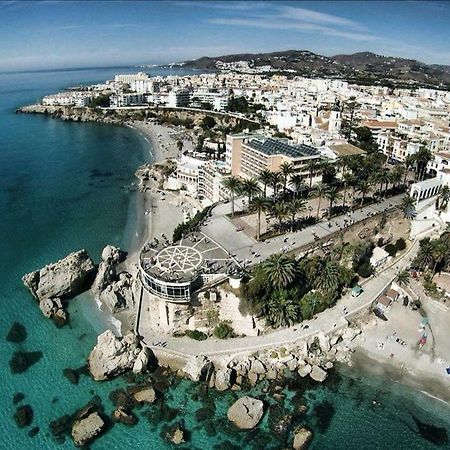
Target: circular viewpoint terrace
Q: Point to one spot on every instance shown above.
(174, 271)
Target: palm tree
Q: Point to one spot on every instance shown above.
(180, 145)
(320, 189)
(280, 270)
(259, 204)
(250, 188)
(444, 196)
(402, 278)
(275, 180)
(363, 187)
(279, 211)
(397, 175)
(297, 183)
(233, 185)
(425, 256)
(408, 207)
(265, 178)
(282, 310)
(328, 276)
(422, 158)
(313, 166)
(286, 170)
(348, 179)
(409, 162)
(439, 252)
(384, 177)
(332, 194)
(294, 207)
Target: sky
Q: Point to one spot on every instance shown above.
(51, 34)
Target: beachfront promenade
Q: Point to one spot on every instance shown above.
(327, 321)
(244, 248)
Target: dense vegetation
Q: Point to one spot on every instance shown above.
(285, 291)
(189, 226)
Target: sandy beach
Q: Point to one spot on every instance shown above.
(377, 350)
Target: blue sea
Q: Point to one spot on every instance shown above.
(65, 186)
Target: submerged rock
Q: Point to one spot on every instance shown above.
(302, 438)
(21, 361)
(436, 435)
(18, 397)
(33, 432)
(112, 356)
(124, 416)
(246, 412)
(72, 375)
(176, 435)
(17, 333)
(66, 278)
(86, 429)
(23, 416)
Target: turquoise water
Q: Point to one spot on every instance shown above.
(62, 188)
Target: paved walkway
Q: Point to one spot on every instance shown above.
(328, 321)
(246, 249)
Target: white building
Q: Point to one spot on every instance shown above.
(130, 78)
(122, 100)
(178, 98)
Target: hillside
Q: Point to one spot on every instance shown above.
(359, 67)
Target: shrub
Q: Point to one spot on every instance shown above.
(196, 335)
(400, 244)
(223, 330)
(391, 249)
(365, 269)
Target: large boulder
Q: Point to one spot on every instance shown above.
(318, 374)
(86, 429)
(324, 342)
(302, 438)
(197, 367)
(112, 355)
(223, 379)
(106, 274)
(257, 367)
(147, 395)
(246, 412)
(120, 294)
(350, 333)
(66, 278)
(142, 360)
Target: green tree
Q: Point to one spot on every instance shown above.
(313, 166)
(280, 212)
(250, 188)
(363, 187)
(208, 122)
(276, 179)
(444, 196)
(297, 184)
(286, 170)
(281, 309)
(332, 194)
(259, 204)
(223, 330)
(294, 207)
(233, 185)
(402, 278)
(328, 279)
(320, 190)
(265, 177)
(408, 206)
(280, 270)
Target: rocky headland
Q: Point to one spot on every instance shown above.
(56, 283)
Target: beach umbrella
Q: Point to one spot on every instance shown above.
(448, 370)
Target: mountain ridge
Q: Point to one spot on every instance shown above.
(360, 66)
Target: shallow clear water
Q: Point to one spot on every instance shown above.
(62, 189)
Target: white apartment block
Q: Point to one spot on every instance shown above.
(178, 98)
(130, 78)
(123, 100)
(72, 98)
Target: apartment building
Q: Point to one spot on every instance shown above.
(78, 99)
(210, 182)
(130, 78)
(249, 155)
(121, 100)
(178, 98)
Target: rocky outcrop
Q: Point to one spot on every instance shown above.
(197, 367)
(302, 438)
(113, 356)
(106, 274)
(246, 412)
(66, 278)
(222, 380)
(176, 435)
(56, 282)
(85, 429)
(142, 360)
(120, 294)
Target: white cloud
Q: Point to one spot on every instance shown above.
(282, 17)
